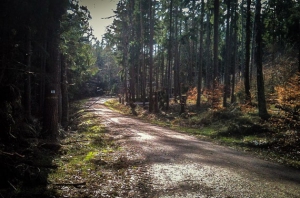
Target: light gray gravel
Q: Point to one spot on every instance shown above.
(183, 166)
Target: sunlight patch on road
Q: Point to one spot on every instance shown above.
(143, 136)
(116, 120)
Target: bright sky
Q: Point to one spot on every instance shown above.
(100, 9)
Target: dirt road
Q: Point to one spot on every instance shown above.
(179, 165)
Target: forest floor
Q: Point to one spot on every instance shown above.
(139, 159)
(109, 154)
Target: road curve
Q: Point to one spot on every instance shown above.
(180, 165)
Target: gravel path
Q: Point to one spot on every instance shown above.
(179, 165)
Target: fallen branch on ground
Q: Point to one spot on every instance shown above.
(12, 154)
(71, 184)
(75, 141)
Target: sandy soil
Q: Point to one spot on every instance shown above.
(179, 165)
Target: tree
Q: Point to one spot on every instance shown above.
(27, 89)
(262, 108)
(169, 54)
(247, 58)
(50, 119)
(216, 47)
(234, 60)
(228, 56)
(64, 92)
(200, 55)
(151, 15)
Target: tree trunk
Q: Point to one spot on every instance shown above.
(208, 77)
(59, 90)
(235, 38)
(50, 119)
(201, 57)
(216, 48)
(64, 92)
(247, 58)
(177, 60)
(27, 91)
(142, 57)
(262, 109)
(151, 15)
(298, 45)
(43, 77)
(50, 123)
(228, 57)
(169, 57)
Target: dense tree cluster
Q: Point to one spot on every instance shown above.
(47, 58)
(220, 53)
(172, 45)
(157, 49)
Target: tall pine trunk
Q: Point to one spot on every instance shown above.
(50, 123)
(216, 50)
(27, 90)
(50, 119)
(208, 77)
(201, 57)
(43, 76)
(151, 15)
(169, 57)
(247, 58)
(227, 58)
(235, 38)
(242, 65)
(142, 57)
(262, 107)
(64, 92)
(176, 64)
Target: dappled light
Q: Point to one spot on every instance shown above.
(171, 98)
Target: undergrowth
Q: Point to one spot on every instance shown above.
(91, 163)
(85, 155)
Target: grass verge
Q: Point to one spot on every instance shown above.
(91, 163)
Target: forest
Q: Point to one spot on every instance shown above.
(200, 56)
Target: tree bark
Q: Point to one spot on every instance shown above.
(242, 65)
(50, 123)
(169, 57)
(64, 92)
(200, 56)
(151, 12)
(262, 109)
(50, 119)
(176, 58)
(27, 90)
(298, 45)
(43, 76)
(235, 38)
(216, 48)
(228, 57)
(142, 57)
(208, 77)
(247, 58)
